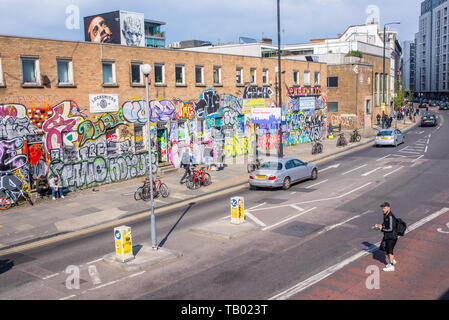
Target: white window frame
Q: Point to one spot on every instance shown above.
(239, 70)
(296, 72)
(266, 74)
(202, 74)
(142, 77)
(255, 75)
(183, 75)
(307, 83)
(163, 74)
(317, 83)
(36, 71)
(70, 71)
(114, 79)
(219, 75)
(1, 72)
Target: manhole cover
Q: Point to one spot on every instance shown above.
(298, 229)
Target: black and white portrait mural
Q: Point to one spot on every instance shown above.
(132, 29)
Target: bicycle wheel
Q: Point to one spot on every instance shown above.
(207, 180)
(320, 148)
(28, 198)
(358, 139)
(146, 195)
(138, 194)
(193, 183)
(163, 190)
(5, 203)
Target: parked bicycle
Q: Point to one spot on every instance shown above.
(317, 147)
(342, 142)
(144, 192)
(253, 165)
(198, 178)
(356, 137)
(12, 198)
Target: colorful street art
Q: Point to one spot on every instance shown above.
(85, 151)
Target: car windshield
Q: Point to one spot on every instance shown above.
(385, 133)
(271, 165)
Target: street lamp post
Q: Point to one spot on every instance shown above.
(146, 70)
(281, 146)
(383, 74)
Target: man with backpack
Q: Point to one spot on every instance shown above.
(392, 227)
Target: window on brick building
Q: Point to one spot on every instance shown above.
(265, 78)
(306, 78)
(252, 76)
(199, 74)
(65, 71)
(109, 72)
(332, 82)
(217, 75)
(295, 77)
(239, 75)
(180, 74)
(317, 81)
(1, 73)
(30, 71)
(136, 73)
(332, 107)
(159, 73)
(368, 106)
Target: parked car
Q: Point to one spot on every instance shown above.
(390, 137)
(275, 173)
(429, 119)
(444, 106)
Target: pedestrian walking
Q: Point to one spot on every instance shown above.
(186, 160)
(390, 237)
(208, 155)
(378, 119)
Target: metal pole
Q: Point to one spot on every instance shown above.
(383, 74)
(281, 146)
(153, 218)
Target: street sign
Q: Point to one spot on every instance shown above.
(237, 210)
(123, 244)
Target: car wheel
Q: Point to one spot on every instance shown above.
(314, 174)
(395, 143)
(287, 183)
(252, 188)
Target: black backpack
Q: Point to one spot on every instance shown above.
(401, 227)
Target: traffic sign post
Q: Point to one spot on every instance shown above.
(123, 244)
(237, 210)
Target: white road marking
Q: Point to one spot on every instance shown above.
(288, 219)
(297, 208)
(331, 270)
(136, 274)
(95, 261)
(393, 172)
(261, 204)
(354, 170)
(317, 200)
(412, 152)
(66, 298)
(104, 285)
(329, 228)
(425, 151)
(50, 276)
(316, 184)
(293, 193)
(418, 158)
(377, 169)
(383, 157)
(335, 166)
(252, 217)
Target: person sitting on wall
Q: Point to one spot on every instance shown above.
(55, 186)
(42, 187)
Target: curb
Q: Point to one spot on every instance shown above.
(130, 217)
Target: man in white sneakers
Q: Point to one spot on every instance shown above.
(390, 236)
(55, 186)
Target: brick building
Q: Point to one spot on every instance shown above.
(52, 93)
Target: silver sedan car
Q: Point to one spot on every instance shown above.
(275, 173)
(389, 137)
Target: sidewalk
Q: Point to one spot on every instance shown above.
(84, 209)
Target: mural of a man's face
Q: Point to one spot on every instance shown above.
(99, 30)
(132, 31)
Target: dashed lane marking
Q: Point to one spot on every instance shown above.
(353, 170)
(288, 219)
(393, 172)
(316, 184)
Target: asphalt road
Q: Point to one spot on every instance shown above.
(303, 231)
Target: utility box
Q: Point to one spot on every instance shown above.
(123, 244)
(237, 210)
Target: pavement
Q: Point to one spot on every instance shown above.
(112, 204)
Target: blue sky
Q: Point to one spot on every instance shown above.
(214, 20)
